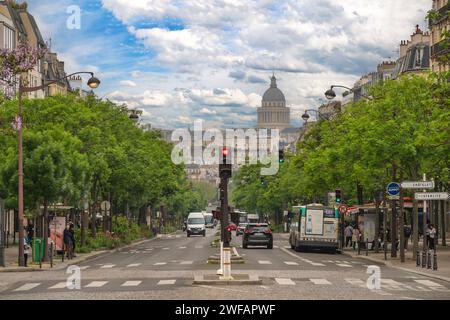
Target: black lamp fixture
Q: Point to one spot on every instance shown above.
(305, 116)
(93, 82)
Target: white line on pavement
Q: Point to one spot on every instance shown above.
(131, 283)
(344, 265)
(428, 283)
(187, 262)
(320, 281)
(182, 248)
(132, 265)
(166, 282)
(108, 266)
(160, 263)
(27, 287)
(60, 285)
(96, 284)
(284, 282)
(264, 262)
(290, 263)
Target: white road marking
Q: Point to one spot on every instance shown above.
(198, 247)
(132, 265)
(390, 282)
(428, 283)
(131, 284)
(317, 264)
(408, 298)
(320, 281)
(166, 248)
(61, 285)
(160, 263)
(276, 247)
(264, 262)
(84, 267)
(284, 282)
(178, 236)
(182, 248)
(108, 266)
(344, 265)
(287, 247)
(290, 263)
(166, 282)
(356, 282)
(96, 284)
(28, 286)
(187, 262)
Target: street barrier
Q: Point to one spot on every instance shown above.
(435, 265)
(429, 260)
(367, 247)
(418, 259)
(424, 259)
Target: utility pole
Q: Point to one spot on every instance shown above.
(402, 224)
(394, 230)
(225, 171)
(424, 222)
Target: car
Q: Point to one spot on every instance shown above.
(257, 234)
(196, 224)
(241, 228)
(209, 220)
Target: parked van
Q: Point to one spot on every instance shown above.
(196, 224)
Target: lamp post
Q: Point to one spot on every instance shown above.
(93, 83)
(306, 116)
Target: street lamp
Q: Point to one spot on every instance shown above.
(331, 94)
(93, 83)
(306, 116)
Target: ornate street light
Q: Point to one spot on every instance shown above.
(331, 94)
(93, 83)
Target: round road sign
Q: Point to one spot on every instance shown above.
(393, 189)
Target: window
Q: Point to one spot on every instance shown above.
(8, 38)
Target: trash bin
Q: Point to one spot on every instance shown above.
(38, 249)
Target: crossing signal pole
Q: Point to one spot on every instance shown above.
(225, 172)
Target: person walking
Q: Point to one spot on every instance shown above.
(67, 237)
(432, 235)
(26, 251)
(72, 233)
(407, 233)
(355, 237)
(348, 231)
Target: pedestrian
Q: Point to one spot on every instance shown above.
(72, 233)
(67, 236)
(348, 231)
(355, 236)
(432, 235)
(26, 251)
(407, 233)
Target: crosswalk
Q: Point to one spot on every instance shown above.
(389, 287)
(164, 248)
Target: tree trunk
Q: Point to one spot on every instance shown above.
(402, 224)
(83, 227)
(45, 231)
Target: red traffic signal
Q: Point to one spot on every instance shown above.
(225, 152)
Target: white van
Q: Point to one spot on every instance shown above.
(196, 224)
(209, 220)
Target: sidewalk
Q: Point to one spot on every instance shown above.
(410, 264)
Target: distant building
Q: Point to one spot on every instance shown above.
(438, 26)
(385, 71)
(414, 54)
(273, 113)
(54, 70)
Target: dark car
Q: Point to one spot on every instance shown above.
(257, 234)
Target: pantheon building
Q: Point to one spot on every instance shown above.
(273, 113)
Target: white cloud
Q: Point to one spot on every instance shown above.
(128, 83)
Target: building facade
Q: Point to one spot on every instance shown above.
(440, 45)
(273, 113)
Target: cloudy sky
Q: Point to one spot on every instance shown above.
(212, 59)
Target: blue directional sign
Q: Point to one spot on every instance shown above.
(393, 189)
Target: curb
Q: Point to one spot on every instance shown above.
(89, 256)
(251, 281)
(391, 265)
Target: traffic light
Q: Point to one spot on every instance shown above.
(281, 156)
(338, 196)
(225, 170)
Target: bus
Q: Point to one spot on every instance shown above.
(315, 227)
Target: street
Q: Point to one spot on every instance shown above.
(165, 267)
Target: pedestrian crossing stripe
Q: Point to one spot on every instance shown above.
(290, 263)
(264, 262)
(60, 285)
(160, 264)
(187, 262)
(132, 265)
(343, 265)
(131, 283)
(284, 282)
(107, 266)
(166, 282)
(28, 286)
(428, 283)
(320, 281)
(96, 284)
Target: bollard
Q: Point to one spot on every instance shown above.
(385, 250)
(429, 260)
(51, 255)
(40, 256)
(226, 264)
(435, 266)
(424, 259)
(220, 271)
(418, 259)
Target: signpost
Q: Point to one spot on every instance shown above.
(431, 195)
(106, 207)
(393, 191)
(418, 185)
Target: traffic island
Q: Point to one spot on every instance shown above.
(238, 279)
(235, 258)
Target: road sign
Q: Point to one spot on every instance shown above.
(343, 209)
(105, 205)
(418, 185)
(431, 195)
(393, 189)
(393, 197)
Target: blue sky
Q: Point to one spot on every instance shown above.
(212, 59)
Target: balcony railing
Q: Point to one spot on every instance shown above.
(443, 14)
(440, 48)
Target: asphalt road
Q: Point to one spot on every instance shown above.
(164, 268)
